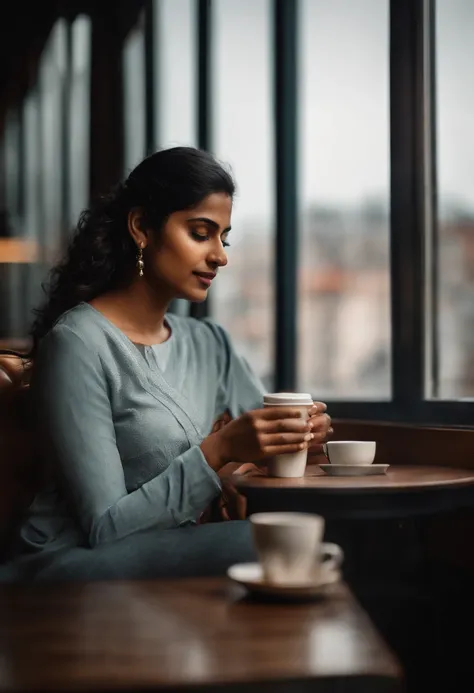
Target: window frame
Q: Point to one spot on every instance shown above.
(413, 213)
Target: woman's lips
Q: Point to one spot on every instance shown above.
(205, 278)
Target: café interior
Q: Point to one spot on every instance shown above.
(348, 128)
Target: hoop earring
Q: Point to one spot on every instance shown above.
(140, 263)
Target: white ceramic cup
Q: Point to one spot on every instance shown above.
(290, 547)
(350, 451)
(294, 464)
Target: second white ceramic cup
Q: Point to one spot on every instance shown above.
(350, 452)
(290, 547)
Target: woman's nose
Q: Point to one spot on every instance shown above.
(218, 256)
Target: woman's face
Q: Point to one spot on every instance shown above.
(189, 251)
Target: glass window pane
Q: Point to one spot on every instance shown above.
(12, 168)
(455, 164)
(344, 283)
(175, 72)
(51, 85)
(243, 297)
(175, 46)
(32, 223)
(31, 189)
(11, 307)
(134, 97)
(79, 118)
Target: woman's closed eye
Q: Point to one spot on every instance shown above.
(205, 237)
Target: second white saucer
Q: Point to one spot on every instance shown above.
(354, 469)
(250, 575)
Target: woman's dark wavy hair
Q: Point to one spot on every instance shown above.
(102, 255)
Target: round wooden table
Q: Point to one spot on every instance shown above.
(382, 523)
(403, 491)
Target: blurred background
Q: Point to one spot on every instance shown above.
(87, 90)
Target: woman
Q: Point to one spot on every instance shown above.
(125, 393)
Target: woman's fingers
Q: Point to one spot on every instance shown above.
(283, 426)
(318, 408)
(234, 504)
(246, 469)
(272, 439)
(320, 423)
(220, 422)
(272, 450)
(271, 413)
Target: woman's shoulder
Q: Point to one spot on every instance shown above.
(83, 327)
(77, 328)
(81, 315)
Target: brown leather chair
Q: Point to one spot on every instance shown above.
(18, 469)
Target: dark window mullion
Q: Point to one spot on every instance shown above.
(432, 230)
(204, 111)
(20, 136)
(435, 412)
(407, 203)
(150, 84)
(286, 152)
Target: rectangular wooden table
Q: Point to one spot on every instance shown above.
(183, 635)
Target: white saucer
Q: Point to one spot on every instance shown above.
(354, 469)
(250, 575)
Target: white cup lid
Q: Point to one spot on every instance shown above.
(288, 399)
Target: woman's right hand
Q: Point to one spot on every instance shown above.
(257, 435)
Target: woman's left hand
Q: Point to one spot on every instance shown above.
(230, 505)
(321, 428)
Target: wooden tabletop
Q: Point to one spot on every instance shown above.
(403, 490)
(397, 478)
(205, 634)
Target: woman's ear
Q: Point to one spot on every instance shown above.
(136, 227)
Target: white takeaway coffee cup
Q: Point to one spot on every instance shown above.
(290, 465)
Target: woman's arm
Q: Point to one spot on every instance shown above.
(244, 391)
(240, 389)
(74, 412)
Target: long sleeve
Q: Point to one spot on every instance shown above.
(71, 395)
(241, 388)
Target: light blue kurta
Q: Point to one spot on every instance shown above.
(123, 424)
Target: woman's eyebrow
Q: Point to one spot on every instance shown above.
(210, 222)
